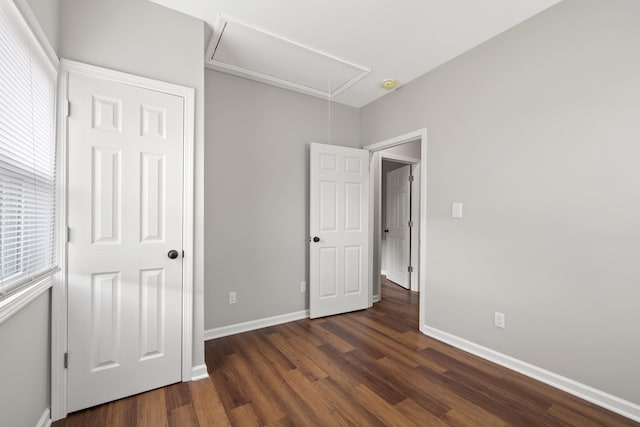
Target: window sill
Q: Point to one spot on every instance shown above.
(17, 301)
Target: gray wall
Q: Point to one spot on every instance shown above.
(140, 37)
(47, 12)
(256, 202)
(536, 132)
(25, 364)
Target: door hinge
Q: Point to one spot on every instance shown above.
(66, 360)
(182, 254)
(410, 223)
(410, 269)
(68, 234)
(67, 108)
(410, 178)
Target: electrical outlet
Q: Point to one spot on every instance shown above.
(303, 287)
(232, 298)
(498, 320)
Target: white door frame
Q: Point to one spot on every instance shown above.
(420, 134)
(415, 211)
(59, 289)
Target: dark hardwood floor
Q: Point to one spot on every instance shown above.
(368, 368)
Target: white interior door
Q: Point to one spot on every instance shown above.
(398, 231)
(339, 227)
(125, 201)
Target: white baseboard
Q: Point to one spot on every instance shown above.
(583, 391)
(199, 372)
(376, 298)
(383, 272)
(238, 328)
(45, 419)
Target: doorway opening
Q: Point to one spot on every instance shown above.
(405, 150)
(396, 243)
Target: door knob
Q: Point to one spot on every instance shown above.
(173, 254)
(386, 230)
(316, 239)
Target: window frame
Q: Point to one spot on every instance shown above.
(28, 287)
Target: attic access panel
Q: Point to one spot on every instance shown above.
(255, 54)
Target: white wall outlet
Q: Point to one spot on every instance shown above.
(232, 298)
(498, 320)
(456, 210)
(303, 287)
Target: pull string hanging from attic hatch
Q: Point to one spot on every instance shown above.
(329, 113)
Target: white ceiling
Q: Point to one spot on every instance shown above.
(400, 39)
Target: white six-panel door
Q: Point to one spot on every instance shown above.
(339, 229)
(125, 172)
(398, 215)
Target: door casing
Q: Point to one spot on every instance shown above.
(420, 134)
(59, 288)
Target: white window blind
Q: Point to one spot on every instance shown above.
(27, 155)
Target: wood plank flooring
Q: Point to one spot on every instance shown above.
(368, 368)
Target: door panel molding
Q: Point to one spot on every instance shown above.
(59, 402)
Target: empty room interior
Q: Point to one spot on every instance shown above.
(223, 212)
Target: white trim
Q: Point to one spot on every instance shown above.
(199, 372)
(376, 298)
(400, 159)
(59, 297)
(252, 325)
(25, 281)
(45, 419)
(213, 64)
(420, 134)
(218, 29)
(14, 303)
(59, 288)
(392, 142)
(583, 391)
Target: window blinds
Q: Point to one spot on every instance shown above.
(27, 155)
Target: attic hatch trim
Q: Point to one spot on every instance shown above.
(212, 63)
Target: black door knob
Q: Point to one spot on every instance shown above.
(316, 239)
(173, 254)
(386, 230)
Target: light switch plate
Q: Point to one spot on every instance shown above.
(498, 320)
(456, 210)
